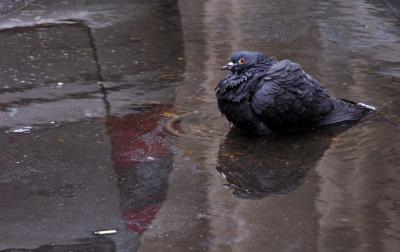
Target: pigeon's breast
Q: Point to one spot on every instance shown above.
(242, 116)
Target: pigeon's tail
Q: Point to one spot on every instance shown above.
(346, 111)
(368, 107)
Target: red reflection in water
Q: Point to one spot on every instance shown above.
(139, 220)
(136, 138)
(142, 163)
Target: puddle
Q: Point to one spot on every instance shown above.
(108, 122)
(197, 125)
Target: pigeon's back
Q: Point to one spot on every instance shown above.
(288, 98)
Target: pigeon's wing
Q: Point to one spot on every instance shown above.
(287, 96)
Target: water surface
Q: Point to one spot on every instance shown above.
(109, 122)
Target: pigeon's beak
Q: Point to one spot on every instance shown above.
(228, 66)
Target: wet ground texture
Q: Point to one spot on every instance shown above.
(109, 123)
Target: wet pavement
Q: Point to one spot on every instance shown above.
(108, 121)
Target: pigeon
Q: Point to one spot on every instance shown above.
(261, 94)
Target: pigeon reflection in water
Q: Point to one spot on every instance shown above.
(256, 167)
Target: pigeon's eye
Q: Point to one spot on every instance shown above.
(241, 61)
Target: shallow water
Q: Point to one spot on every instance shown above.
(109, 122)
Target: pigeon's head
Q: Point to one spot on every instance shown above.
(243, 60)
